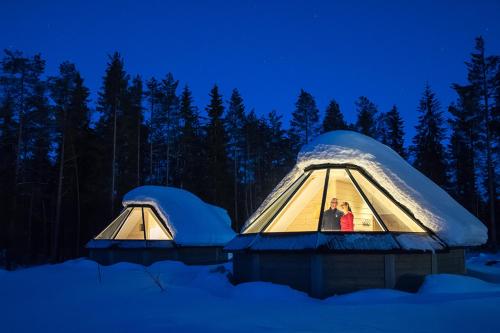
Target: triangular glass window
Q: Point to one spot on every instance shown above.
(133, 228)
(341, 190)
(136, 223)
(154, 228)
(111, 229)
(394, 218)
(301, 212)
(273, 208)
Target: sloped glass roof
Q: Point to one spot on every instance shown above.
(313, 203)
(136, 223)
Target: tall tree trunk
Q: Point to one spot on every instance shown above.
(491, 175)
(151, 162)
(78, 205)
(113, 164)
(11, 226)
(235, 189)
(55, 240)
(168, 153)
(139, 150)
(30, 223)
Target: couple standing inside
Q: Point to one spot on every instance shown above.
(338, 220)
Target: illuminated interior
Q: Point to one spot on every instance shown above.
(299, 208)
(301, 213)
(136, 223)
(341, 188)
(391, 215)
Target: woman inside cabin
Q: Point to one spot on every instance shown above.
(347, 220)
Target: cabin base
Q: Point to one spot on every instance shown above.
(325, 274)
(146, 256)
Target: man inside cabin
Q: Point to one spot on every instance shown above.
(331, 217)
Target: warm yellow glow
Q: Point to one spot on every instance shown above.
(298, 208)
(341, 187)
(111, 229)
(259, 223)
(301, 213)
(392, 216)
(154, 228)
(133, 228)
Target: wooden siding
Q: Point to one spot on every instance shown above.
(346, 273)
(325, 274)
(452, 262)
(290, 270)
(188, 255)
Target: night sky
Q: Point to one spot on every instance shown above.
(269, 50)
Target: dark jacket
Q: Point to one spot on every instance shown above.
(331, 220)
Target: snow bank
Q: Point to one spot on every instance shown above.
(191, 221)
(428, 202)
(79, 296)
(484, 266)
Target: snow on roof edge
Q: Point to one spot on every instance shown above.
(191, 221)
(429, 203)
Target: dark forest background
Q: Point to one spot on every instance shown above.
(64, 165)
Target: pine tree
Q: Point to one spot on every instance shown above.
(8, 126)
(367, 113)
(22, 84)
(278, 150)
(137, 129)
(169, 124)
(251, 161)
(482, 76)
(278, 158)
(111, 102)
(463, 147)
(216, 139)
(74, 139)
(381, 128)
(234, 123)
(334, 119)
(189, 143)
(303, 126)
(395, 131)
(428, 148)
(154, 98)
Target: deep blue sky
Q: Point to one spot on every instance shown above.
(269, 50)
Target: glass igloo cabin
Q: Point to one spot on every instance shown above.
(404, 225)
(164, 223)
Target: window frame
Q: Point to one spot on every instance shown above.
(347, 167)
(142, 206)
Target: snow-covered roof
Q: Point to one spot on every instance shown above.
(190, 220)
(429, 203)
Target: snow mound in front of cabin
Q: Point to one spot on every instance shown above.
(429, 203)
(191, 221)
(485, 266)
(82, 296)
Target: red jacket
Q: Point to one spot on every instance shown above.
(347, 222)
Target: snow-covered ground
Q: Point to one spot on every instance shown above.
(484, 266)
(75, 297)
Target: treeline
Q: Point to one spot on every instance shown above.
(64, 166)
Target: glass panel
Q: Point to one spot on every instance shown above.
(269, 212)
(393, 217)
(154, 228)
(133, 228)
(341, 189)
(111, 229)
(301, 213)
